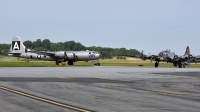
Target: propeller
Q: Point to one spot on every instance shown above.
(175, 57)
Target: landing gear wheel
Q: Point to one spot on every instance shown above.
(70, 62)
(156, 64)
(180, 65)
(57, 62)
(175, 64)
(97, 64)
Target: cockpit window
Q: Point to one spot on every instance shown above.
(170, 54)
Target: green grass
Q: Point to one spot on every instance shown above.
(14, 62)
(147, 63)
(1, 57)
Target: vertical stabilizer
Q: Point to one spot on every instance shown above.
(141, 53)
(187, 52)
(17, 46)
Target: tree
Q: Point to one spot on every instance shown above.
(4, 48)
(28, 44)
(54, 47)
(37, 43)
(46, 44)
(40, 49)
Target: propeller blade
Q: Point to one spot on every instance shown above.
(152, 59)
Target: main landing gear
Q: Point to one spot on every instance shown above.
(179, 64)
(57, 62)
(70, 62)
(156, 64)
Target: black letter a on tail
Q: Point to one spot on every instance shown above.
(16, 45)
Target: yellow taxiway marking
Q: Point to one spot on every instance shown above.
(44, 100)
(152, 90)
(166, 91)
(64, 78)
(113, 84)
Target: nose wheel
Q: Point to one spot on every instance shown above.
(97, 64)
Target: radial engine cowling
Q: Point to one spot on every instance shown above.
(71, 56)
(60, 54)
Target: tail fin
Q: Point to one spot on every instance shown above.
(142, 56)
(187, 52)
(141, 53)
(17, 47)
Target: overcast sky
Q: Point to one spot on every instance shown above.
(149, 25)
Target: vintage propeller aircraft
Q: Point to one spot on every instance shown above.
(168, 56)
(19, 50)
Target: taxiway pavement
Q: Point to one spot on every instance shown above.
(100, 89)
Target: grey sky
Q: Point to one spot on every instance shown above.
(149, 25)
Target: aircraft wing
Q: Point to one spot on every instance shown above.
(153, 57)
(128, 55)
(43, 53)
(149, 57)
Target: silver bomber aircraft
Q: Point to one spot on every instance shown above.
(19, 50)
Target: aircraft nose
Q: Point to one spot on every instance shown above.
(99, 55)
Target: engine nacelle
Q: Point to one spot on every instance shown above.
(175, 57)
(60, 54)
(71, 56)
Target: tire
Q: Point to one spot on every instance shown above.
(180, 65)
(98, 64)
(175, 64)
(57, 62)
(70, 62)
(156, 64)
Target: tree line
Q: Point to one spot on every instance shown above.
(4, 48)
(47, 45)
